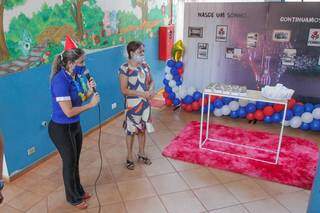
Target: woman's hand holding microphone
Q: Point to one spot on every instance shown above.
(95, 97)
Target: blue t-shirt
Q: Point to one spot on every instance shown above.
(64, 88)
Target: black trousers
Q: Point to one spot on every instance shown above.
(68, 140)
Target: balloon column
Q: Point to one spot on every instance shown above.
(298, 115)
(175, 93)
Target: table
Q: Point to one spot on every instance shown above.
(252, 95)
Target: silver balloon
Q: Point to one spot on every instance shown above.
(218, 112)
(316, 113)
(226, 110)
(307, 117)
(295, 122)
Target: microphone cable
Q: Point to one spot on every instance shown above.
(100, 154)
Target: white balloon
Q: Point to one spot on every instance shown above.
(295, 122)
(316, 113)
(286, 123)
(191, 90)
(182, 92)
(167, 70)
(169, 77)
(217, 112)
(175, 89)
(172, 83)
(226, 110)
(243, 103)
(234, 105)
(307, 117)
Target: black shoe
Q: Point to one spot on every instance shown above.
(130, 165)
(145, 160)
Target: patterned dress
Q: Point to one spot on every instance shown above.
(137, 109)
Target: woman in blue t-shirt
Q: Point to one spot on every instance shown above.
(69, 89)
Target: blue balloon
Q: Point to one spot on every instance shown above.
(315, 125)
(176, 102)
(289, 114)
(234, 114)
(226, 100)
(317, 106)
(305, 126)
(205, 109)
(179, 64)
(268, 119)
(176, 77)
(174, 71)
(269, 104)
(188, 99)
(172, 96)
(197, 95)
(212, 107)
(168, 89)
(298, 110)
(165, 82)
(171, 63)
(242, 112)
(276, 117)
(250, 108)
(218, 103)
(179, 82)
(260, 105)
(308, 107)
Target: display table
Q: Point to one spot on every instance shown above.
(251, 95)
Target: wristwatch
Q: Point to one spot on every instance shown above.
(1, 184)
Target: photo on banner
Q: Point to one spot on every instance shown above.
(203, 50)
(281, 35)
(195, 32)
(252, 40)
(314, 37)
(289, 57)
(221, 33)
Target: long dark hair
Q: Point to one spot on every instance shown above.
(133, 46)
(61, 60)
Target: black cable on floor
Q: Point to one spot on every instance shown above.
(100, 154)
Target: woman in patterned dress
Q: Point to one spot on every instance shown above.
(138, 88)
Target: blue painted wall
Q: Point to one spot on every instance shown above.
(25, 103)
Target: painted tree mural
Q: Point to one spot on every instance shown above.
(143, 4)
(6, 4)
(76, 12)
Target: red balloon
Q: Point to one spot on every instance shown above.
(259, 115)
(278, 107)
(268, 111)
(183, 106)
(165, 95)
(168, 102)
(291, 103)
(250, 116)
(195, 106)
(213, 98)
(205, 101)
(180, 71)
(188, 108)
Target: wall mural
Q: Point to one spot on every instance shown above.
(31, 35)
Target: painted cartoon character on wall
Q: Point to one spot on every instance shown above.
(114, 22)
(111, 22)
(25, 43)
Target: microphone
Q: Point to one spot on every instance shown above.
(88, 76)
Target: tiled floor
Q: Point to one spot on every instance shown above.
(165, 186)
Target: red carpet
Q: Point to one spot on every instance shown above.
(297, 164)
